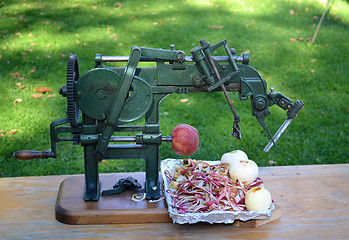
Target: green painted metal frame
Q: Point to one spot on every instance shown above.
(174, 73)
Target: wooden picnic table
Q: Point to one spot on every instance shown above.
(314, 201)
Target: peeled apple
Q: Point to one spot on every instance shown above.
(233, 156)
(257, 199)
(244, 170)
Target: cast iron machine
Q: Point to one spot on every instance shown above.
(110, 97)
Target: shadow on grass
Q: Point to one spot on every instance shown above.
(103, 28)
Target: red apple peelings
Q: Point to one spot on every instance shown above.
(204, 188)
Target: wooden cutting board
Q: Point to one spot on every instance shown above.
(71, 208)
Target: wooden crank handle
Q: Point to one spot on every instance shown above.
(30, 154)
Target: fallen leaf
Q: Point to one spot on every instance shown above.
(37, 95)
(15, 75)
(117, 5)
(293, 39)
(315, 17)
(272, 162)
(321, 111)
(312, 70)
(18, 100)
(184, 100)
(216, 27)
(11, 132)
(51, 95)
(32, 71)
(42, 89)
(313, 60)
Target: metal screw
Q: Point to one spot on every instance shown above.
(233, 51)
(180, 56)
(101, 94)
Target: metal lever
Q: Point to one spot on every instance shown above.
(260, 118)
(122, 185)
(277, 135)
(113, 118)
(236, 128)
(292, 114)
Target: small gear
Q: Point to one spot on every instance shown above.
(73, 111)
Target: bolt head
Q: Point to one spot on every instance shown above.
(260, 103)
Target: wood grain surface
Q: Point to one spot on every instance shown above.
(314, 201)
(72, 209)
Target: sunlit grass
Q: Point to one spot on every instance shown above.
(36, 38)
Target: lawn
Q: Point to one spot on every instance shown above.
(36, 38)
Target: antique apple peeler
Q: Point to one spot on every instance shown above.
(110, 97)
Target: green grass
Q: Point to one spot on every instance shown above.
(36, 38)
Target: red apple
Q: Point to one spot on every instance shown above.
(185, 139)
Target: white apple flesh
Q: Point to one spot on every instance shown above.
(234, 156)
(258, 199)
(244, 170)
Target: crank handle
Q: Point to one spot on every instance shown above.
(30, 154)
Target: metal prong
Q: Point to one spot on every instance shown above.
(277, 135)
(236, 128)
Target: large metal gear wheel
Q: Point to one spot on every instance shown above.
(73, 75)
